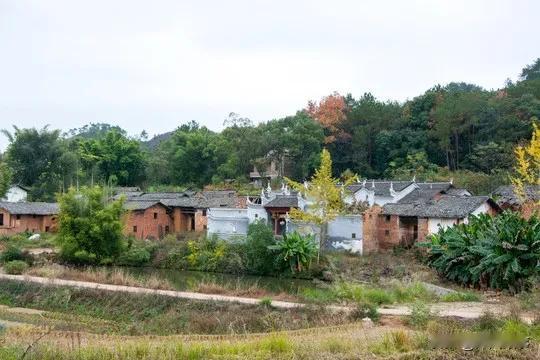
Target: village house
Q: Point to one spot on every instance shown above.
(406, 223)
(16, 193)
(398, 213)
(34, 217)
(153, 215)
(506, 198)
(147, 219)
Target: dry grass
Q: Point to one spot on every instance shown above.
(238, 289)
(99, 275)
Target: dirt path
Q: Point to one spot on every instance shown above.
(466, 310)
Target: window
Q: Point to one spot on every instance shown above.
(353, 235)
(134, 229)
(204, 212)
(18, 217)
(1, 219)
(155, 215)
(386, 232)
(387, 218)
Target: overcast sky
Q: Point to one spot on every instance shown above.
(154, 65)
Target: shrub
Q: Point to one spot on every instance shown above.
(11, 253)
(90, 229)
(134, 257)
(266, 302)
(420, 315)
(365, 310)
(296, 251)
(15, 267)
(259, 259)
(501, 252)
(460, 296)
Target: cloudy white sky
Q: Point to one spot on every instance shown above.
(155, 64)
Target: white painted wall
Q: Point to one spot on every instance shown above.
(256, 212)
(227, 222)
(434, 224)
(15, 194)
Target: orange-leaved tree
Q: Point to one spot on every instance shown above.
(330, 112)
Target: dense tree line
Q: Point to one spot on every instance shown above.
(458, 131)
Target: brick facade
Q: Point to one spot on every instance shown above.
(370, 239)
(152, 223)
(14, 224)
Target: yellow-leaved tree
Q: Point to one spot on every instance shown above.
(528, 166)
(324, 195)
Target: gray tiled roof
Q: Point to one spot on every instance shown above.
(200, 200)
(444, 207)
(30, 208)
(140, 204)
(283, 201)
(381, 187)
(505, 195)
(425, 192)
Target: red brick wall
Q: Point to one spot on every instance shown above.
(146, 225)
(388, 232)
(30, 223)
(201, 221)
(370, 240)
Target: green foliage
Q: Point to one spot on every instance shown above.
(90, 227)
(420, 315)
(118, 158)
(295, 251)
(15, 267)
(11, 253)
(365, 310)
(5, 178)
(135, 256)
(259, 258)
(266, 302)
(460, 296)
(39, 159)
(501, 252)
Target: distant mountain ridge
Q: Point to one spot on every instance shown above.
(154, 142)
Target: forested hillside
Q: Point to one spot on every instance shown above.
(458, 131)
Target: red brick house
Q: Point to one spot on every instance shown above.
(407, 223)
(35, 217)
(147, 219)
(153, 215)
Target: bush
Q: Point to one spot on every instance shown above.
(500, 252)
(90, 228)
(420, 315)
(365, 310)
(259, 259)
(295, 251)
(15, 267)
(134, 257)
(265, 302)
(460, 296)
(11, 253)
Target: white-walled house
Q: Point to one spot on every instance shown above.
(16, 193)
(398, 212)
